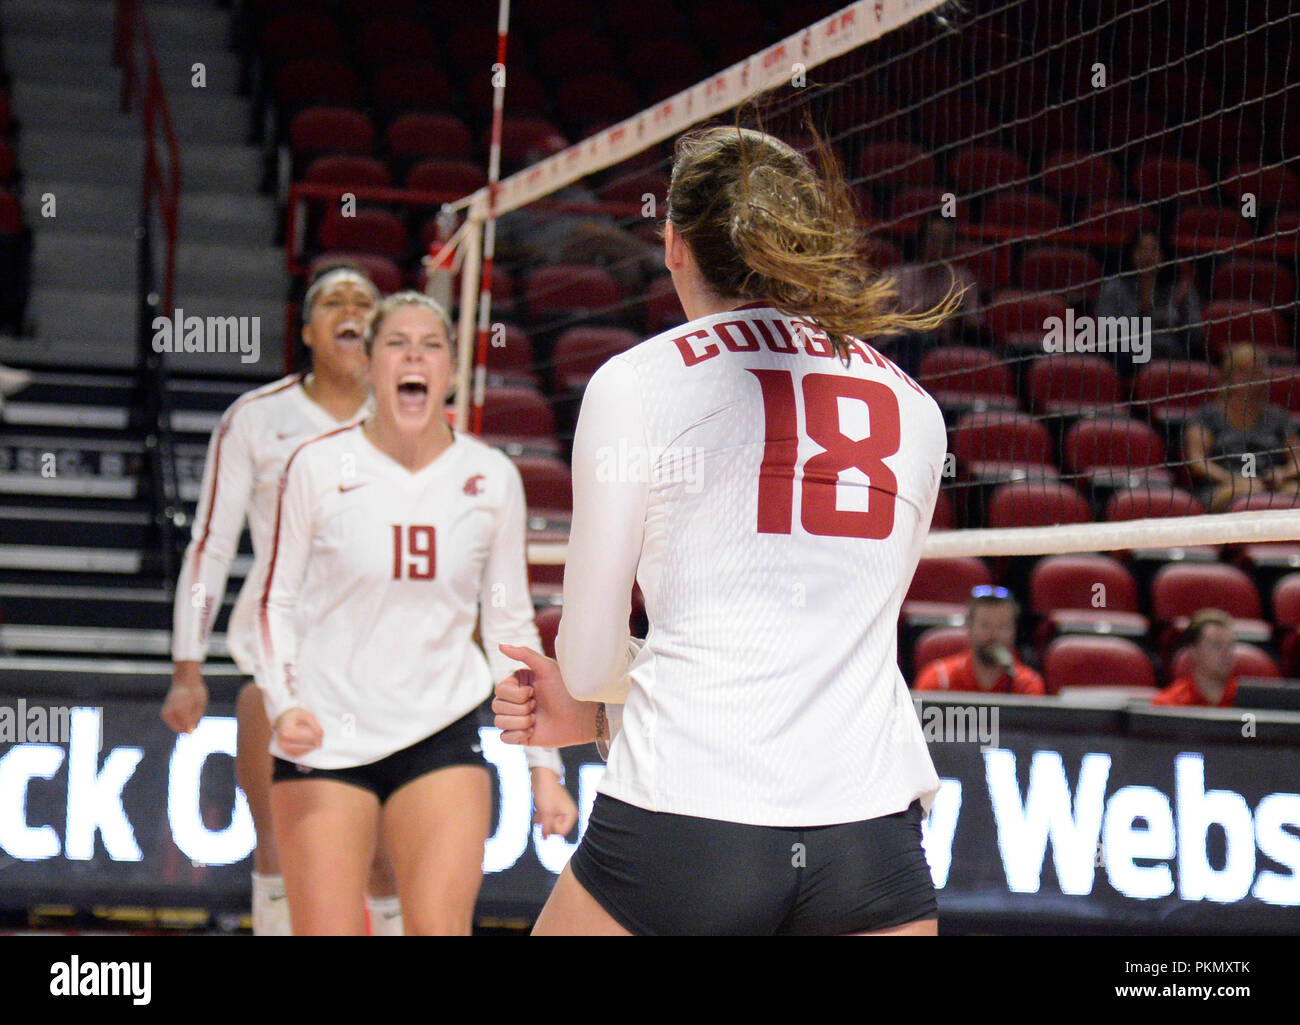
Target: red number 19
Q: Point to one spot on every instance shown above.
(817, 508)
(420, 544)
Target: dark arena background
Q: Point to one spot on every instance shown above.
(165, 165)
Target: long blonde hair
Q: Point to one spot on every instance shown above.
(764, 223)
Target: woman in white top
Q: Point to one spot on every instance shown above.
(241, 479)
(768, 479)
(393, 538)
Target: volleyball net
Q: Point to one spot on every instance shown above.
(1114, 183)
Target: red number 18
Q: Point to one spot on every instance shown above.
(817, 507)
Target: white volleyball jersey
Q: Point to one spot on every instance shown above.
(241, 477)
(772, 504)
(376, 580)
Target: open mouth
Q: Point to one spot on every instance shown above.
(412, 393)
(349, 332)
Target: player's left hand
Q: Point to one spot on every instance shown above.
(556, 812)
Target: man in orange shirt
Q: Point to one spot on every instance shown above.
(1210, 641)
(990, 665)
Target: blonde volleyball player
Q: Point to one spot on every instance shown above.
(241, 476)
(770, 775)
(393, 538)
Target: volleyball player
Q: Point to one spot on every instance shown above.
(393, 537)
(246, 457)
(770, 775)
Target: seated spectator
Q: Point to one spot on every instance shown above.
(1150, 285)
(1210, 642)
(1240, 444)
(990, 665)
(927, 283)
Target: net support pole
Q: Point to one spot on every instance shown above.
(490, 224)
(467, 327)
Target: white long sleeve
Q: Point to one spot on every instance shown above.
(611, 475)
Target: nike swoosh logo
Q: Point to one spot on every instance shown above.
(353, 487)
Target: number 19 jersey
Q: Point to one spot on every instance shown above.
(772, 503)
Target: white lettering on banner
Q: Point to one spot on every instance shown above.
(95, 793)
(18, 768)
(185, 816)
(937, 830)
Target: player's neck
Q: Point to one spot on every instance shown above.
(412, 451)
(1211, 690)
(698, 300)
(341, 398)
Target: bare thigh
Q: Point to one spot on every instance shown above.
(326, 832)
(253, 773)
(435, 828)
(572, 911)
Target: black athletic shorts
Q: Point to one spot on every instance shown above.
(457, 744)
(662, 874)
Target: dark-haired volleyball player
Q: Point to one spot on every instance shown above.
(246, 457)
(769, 775)
(393, 538)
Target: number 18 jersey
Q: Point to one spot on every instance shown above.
(772, 503)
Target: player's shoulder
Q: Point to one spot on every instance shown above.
(326, 446)
(265, 397)
(484, 464)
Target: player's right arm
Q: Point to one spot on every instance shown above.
(296, 728)
(227, 486)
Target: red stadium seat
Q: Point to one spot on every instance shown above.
(1131, 130)
(370, 231)
(452, 176)
(1164, 179)
(522, 138)
(526, 96)
(1178, 590)
(1071, 273)
(1228, 323)
(349, 172)
(295, 34)
(989, 264)
(1220, 139)
(912, 206)
(1247, 660)
(633, 188)
(1258, 281)
(1286, 614)
(471, 49)
(548, 625)
(511, 361)
(561, 289)
(1107, 451)
(943, 518)
(1074, 384)
(1046, 131)
(1172, 390)
(548, 485)
(316, 80)
(1014, 215)
(1284, 389)
(1110, 223)
(1202, 230)
(881, 254)
(1157, 501)
(431, 136)
(950, 118)
(585, 100)
(1265, 500)
(383, 272)
(963, 376)
(410, 86)
(980, 169)
(1085, 594)
(1086, 174)
(517, 413)
(1004, 445)
(940, 589)
(1081, 661)
(1018, 320)
(938, 642)
(1037, 503)
(896, 165)
(580, 351)
(387, 40)
(555, 55)
(330, 130)
(662, 307)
